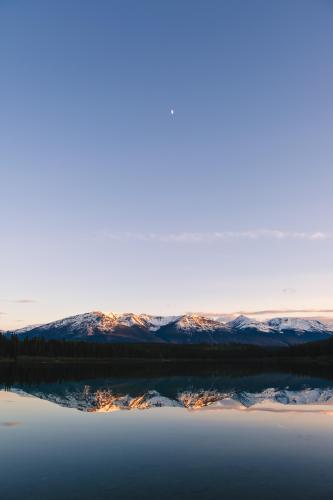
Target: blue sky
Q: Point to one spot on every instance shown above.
(110, 202)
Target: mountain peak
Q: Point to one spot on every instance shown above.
(197, 322)
(243, 322)
(301, 324)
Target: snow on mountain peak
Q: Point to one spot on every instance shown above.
(156, 322)
(300, 324)
(196, 322)
(145, 327)
(242, 322)
(278, 324)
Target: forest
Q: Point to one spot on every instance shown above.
(12, 347)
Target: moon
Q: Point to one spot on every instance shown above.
(172, 111)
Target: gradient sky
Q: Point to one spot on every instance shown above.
(110, 202)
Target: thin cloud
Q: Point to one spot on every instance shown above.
(19, 301)
(229, 316)
(283, 311)
(217, 236)
(288, 291)
(24, 301)
(219, 315)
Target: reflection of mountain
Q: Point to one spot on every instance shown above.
(183, 392)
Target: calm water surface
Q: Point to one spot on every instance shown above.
(256, 436)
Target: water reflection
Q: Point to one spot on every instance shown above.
(261, 391)
(227, 434)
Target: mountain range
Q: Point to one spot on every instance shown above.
(185, 329)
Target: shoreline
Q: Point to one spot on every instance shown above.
(326, 361)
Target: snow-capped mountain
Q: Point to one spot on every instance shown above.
(297, 324)
(186, 329)
(99, 327)
(194, 329)
(243, 322)
(194, 322)
(102, 323)
(286, 324)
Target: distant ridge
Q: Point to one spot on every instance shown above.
(185, 329)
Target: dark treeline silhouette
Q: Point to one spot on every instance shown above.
(12, 347)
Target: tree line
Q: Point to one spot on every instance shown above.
(13, 347)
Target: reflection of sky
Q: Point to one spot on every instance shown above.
(60, 451)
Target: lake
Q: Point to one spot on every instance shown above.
(72, 435)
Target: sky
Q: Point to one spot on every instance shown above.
(109, 201)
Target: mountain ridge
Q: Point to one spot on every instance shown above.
(183, 329)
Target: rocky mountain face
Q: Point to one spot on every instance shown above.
(186, 329)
